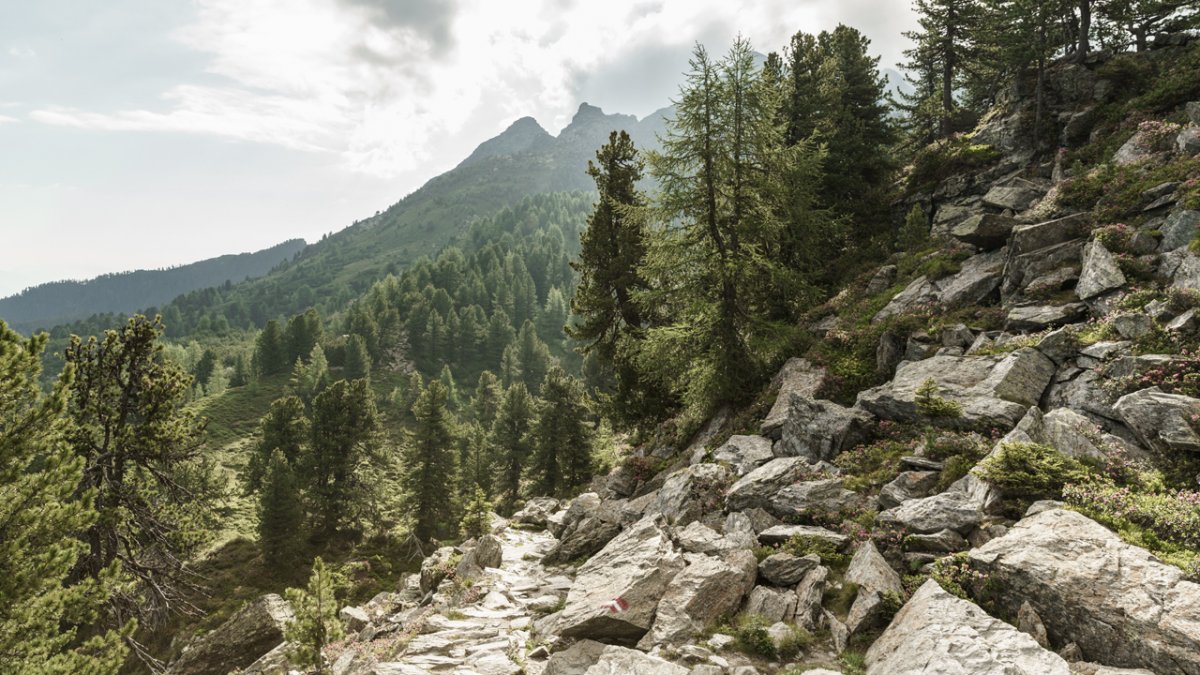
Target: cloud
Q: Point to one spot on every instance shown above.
(388, 86)
(19, 52)
(5, 119)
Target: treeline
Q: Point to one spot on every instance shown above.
(963, 48)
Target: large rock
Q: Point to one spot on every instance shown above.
(921, 291)
(993, 390)
(772, 604)
(576, 659)
(960, 508)
(1161, 421)
(700, 538)
(807, 498)
(875, 580)
(936, 632)
(1038, 236)
(781, 533)
(975, 282)
(621, 661)
(1021, 271)
(785, 569)
(536, 512)
(799, 377)
(1041, 317)
(985, 230)
(616, 593)
(755, 489)
(1180, 229)
(1100, 272)
(691, 492)
(438, 566)
(745, 453)
(588, 524)
(1117, 602)
(908, 485)
(1014, 197)
(487, 552)
(706, 590)
(250, 633)
(819, 430)
(577, 510)
(1066, 430)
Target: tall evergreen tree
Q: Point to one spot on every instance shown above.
(142, 461)
(303, 333)
(486, 401)
(316, 623)
(40, 513)
(280, 514)
(562, 436)
(358, 359)
(430, 463)
(309, 379)
(946, 46)
(270, 351)
(345, 434)
(512, 441)
(285, 428)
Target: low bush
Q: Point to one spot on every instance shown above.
(1030, 471)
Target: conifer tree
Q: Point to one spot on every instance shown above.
(285, 428)
(303, 333)
(531, 356)
(511, 437)
(309, 379)
(487, 399)
(270, 351)
(40, 609)
(280, 514)
(476, 462)
(205, 367)
(429, 463)
(358, 359)
(562, 436)
(316, 623)
(141, 450)
(946, 47)
(476, 519)
(241, 372)
(345, 434)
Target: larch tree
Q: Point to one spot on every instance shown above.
(285, 428)
(280, 514)
(510, 437)
(316, 623)
(562, 436)
(344, 440)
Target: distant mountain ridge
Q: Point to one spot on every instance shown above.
(59, 302)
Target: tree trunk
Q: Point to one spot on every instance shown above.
(1085, 28)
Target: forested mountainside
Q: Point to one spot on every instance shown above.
(861, 386)
(47, 305)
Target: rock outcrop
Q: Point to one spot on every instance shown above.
(249, 634)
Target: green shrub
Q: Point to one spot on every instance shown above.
(750, 636)
(946, 158)
(829, 552)
(934, 407)
(1030, 471)
(914, 233)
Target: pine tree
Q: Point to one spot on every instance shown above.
(429, 463)
(241, 372)
(143, 461)
(487, 399)
(270, 352)
(316, 623)
(476, 520)
(303, 333)
(532, 356)
(945, 48)
(344, 438)
(309, 379)
(205, 367)
(285, 428)
(40, 609)
(562, 436)
(511, 438)
(358, 359)
(280, 514)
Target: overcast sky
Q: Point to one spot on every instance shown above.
(145, 133)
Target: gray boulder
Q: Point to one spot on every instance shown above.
(785, 569)
(1161, 420)
(1180, 229)
(616, 660)
(1188, 141)
(809, 497)
(921, 291)
(975, 282)
(908, 485)
(437, 567)
(1014, 197)
(1100, 272)
(1116, 601)
(773, 604)
(993, 390)
(700, 538)
(1039, 236)
(576, 659)
(249, 634)
(936, 632)
(985, 230)
(689, 493)
(875, 580)
(960, 508)
(781, 533)
(536, 511)
(799, 377)
(809, 594)
(757, 488)
(819, 430)
(1041, 317)
(745, 453)
(707, 589)
(616, 592)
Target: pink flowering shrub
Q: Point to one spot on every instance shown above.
(1116, 237)
(1157, 135)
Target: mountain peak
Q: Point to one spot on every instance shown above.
(523, 135)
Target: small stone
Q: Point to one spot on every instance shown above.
(1030, 623)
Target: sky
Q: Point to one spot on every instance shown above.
(138, 134)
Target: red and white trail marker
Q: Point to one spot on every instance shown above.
(617, 605)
